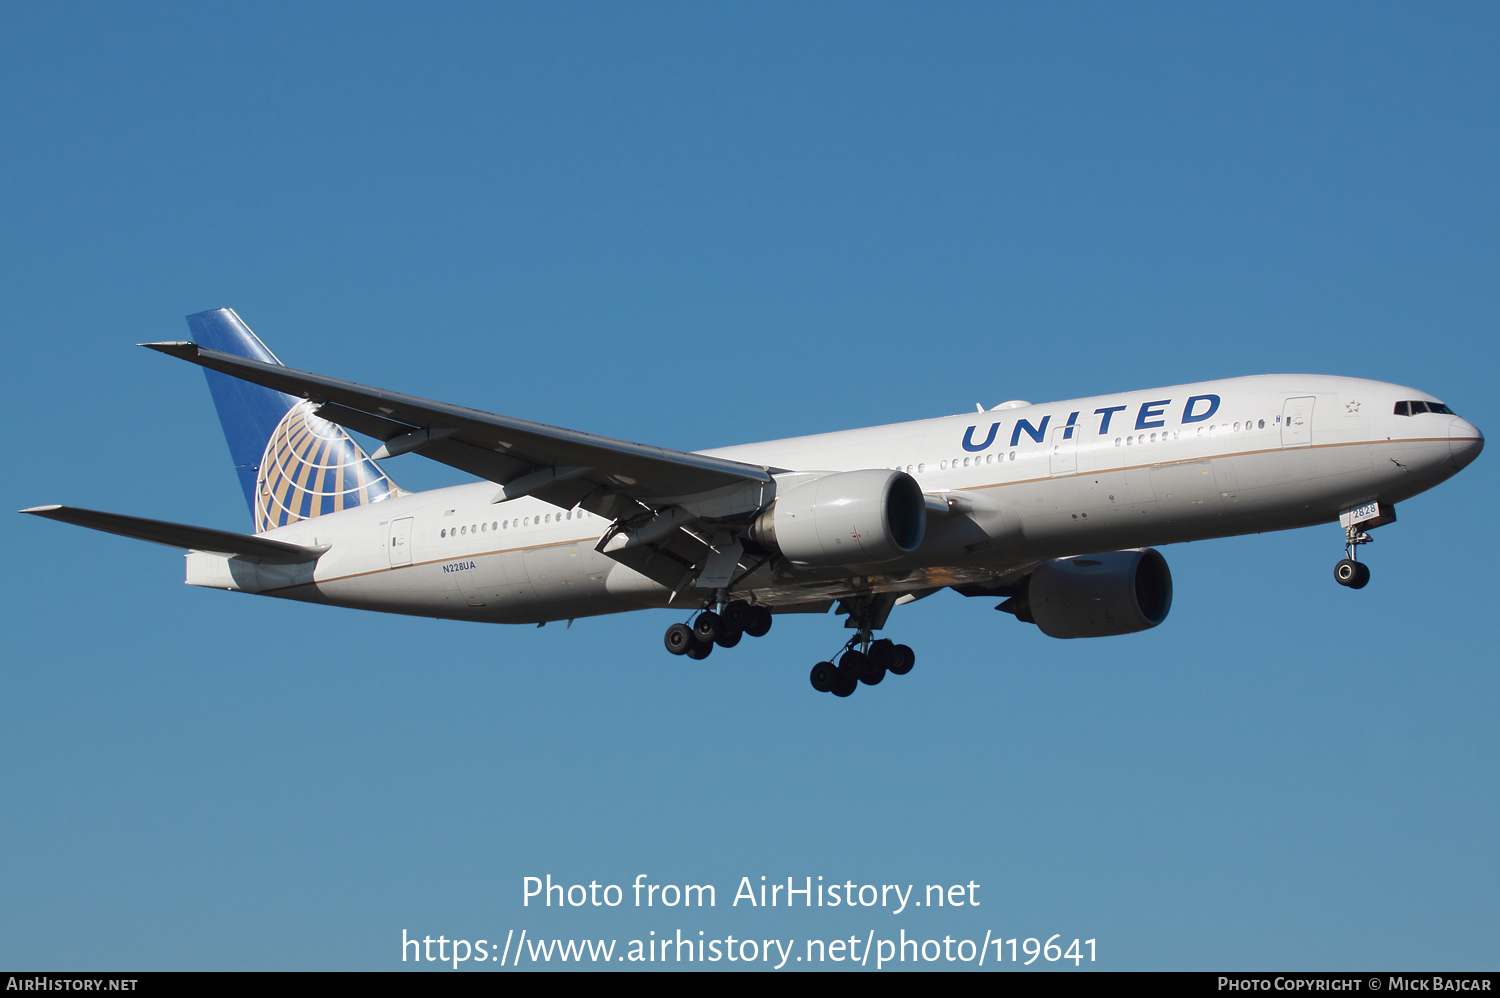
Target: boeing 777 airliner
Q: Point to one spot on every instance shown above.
(1052, 509)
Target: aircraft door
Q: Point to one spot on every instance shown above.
(1065, 450)
(1296, 422)
(398, 545)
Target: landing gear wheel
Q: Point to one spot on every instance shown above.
(699, 650)
(1352, 574)
(728, 639)
(761, 622)
(738, 616)
(679, 639)
(823, 677)
(905, 659)
(882, 653)
(872, 676)
(853, 666)
(843, 687)
(706, 628)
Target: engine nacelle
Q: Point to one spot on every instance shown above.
(849, 518)
(1097, 595)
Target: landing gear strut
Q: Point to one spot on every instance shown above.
(1350, 571)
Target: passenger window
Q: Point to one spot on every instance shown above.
(1012, 455)
(1117, 441)
(1262, 424)
(966, 462)
(442, 533)
(483, 527)
(943, 466)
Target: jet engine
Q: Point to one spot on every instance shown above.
(1096, 595)
(849, 518)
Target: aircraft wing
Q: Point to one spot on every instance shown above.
(560, 466)
(181, 535)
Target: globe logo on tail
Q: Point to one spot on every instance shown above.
(312, 467)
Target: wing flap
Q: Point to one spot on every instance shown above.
(182, 535)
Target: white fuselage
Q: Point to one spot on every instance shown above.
(1030, 482)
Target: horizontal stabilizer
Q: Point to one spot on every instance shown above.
(181, 535)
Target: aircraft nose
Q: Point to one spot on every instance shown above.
(1465, 441)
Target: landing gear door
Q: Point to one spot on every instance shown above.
(398, 545)
(1296, 422)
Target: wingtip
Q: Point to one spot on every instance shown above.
(174, 348)
(40, 509)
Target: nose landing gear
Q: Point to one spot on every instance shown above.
(1350, 571)
(1357, 523)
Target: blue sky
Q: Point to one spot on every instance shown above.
(700, 225)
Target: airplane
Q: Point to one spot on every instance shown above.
(1053, 509)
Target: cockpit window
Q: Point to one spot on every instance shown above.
(1417, 408)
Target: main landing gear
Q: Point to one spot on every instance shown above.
(1350, 571)
(862, 661)
(722, 629)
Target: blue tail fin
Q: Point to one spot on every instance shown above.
(292, 465)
